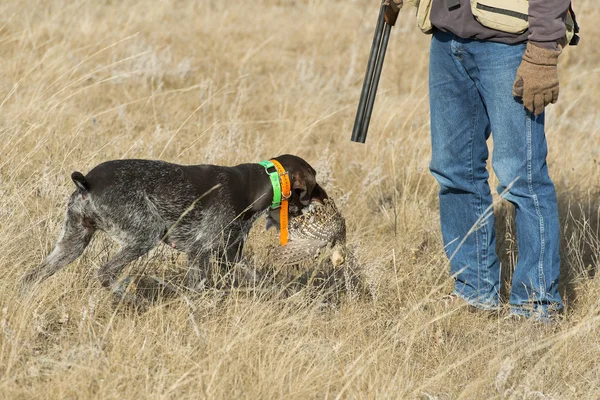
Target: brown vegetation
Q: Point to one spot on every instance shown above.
(227, 82)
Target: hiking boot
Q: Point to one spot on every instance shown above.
(453, 301)
(551, 320)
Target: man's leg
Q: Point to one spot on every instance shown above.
(519, 161)
(459, 129)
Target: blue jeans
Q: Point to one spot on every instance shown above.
(470, 90)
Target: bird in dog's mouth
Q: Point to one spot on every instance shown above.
(320, 225)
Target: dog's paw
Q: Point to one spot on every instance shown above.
(125, 293)
(153, 288)
(120, 288)
(28, 281)
(133, 301)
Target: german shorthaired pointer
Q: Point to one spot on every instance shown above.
(201, 210)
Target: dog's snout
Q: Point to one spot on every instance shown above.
(316, 194)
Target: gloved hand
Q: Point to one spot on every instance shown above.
(392, 10)
(537, 78)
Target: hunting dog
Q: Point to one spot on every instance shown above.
(202, 210)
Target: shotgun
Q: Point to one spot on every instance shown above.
(385, 21)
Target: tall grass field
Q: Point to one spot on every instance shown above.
(200, 81)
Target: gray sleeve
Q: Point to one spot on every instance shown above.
(546, 21)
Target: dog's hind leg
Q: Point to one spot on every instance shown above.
(109, 272)
(76, 235)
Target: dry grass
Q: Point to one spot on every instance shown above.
(200, 81)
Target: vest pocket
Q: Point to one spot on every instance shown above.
(510, 16)
(423, 13)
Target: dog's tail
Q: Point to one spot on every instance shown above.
(82, 184)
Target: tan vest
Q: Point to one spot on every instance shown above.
(503, 15)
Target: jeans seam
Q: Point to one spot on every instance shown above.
(482, 274)
(536, 203)
(481, 259)
(482, 223)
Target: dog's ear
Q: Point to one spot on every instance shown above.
(303, 185)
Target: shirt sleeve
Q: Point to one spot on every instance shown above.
(546, 21)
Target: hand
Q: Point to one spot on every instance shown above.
(392, 10)
(536, 82)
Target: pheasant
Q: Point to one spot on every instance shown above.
(317, 251)
(320, 227)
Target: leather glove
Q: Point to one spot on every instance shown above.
(537, 78)
(392, 10)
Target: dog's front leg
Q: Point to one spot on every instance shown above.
(199, 265)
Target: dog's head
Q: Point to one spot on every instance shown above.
(305, 188)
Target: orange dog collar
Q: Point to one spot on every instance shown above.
(282, 190)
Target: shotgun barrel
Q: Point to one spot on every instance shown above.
(372, 75)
